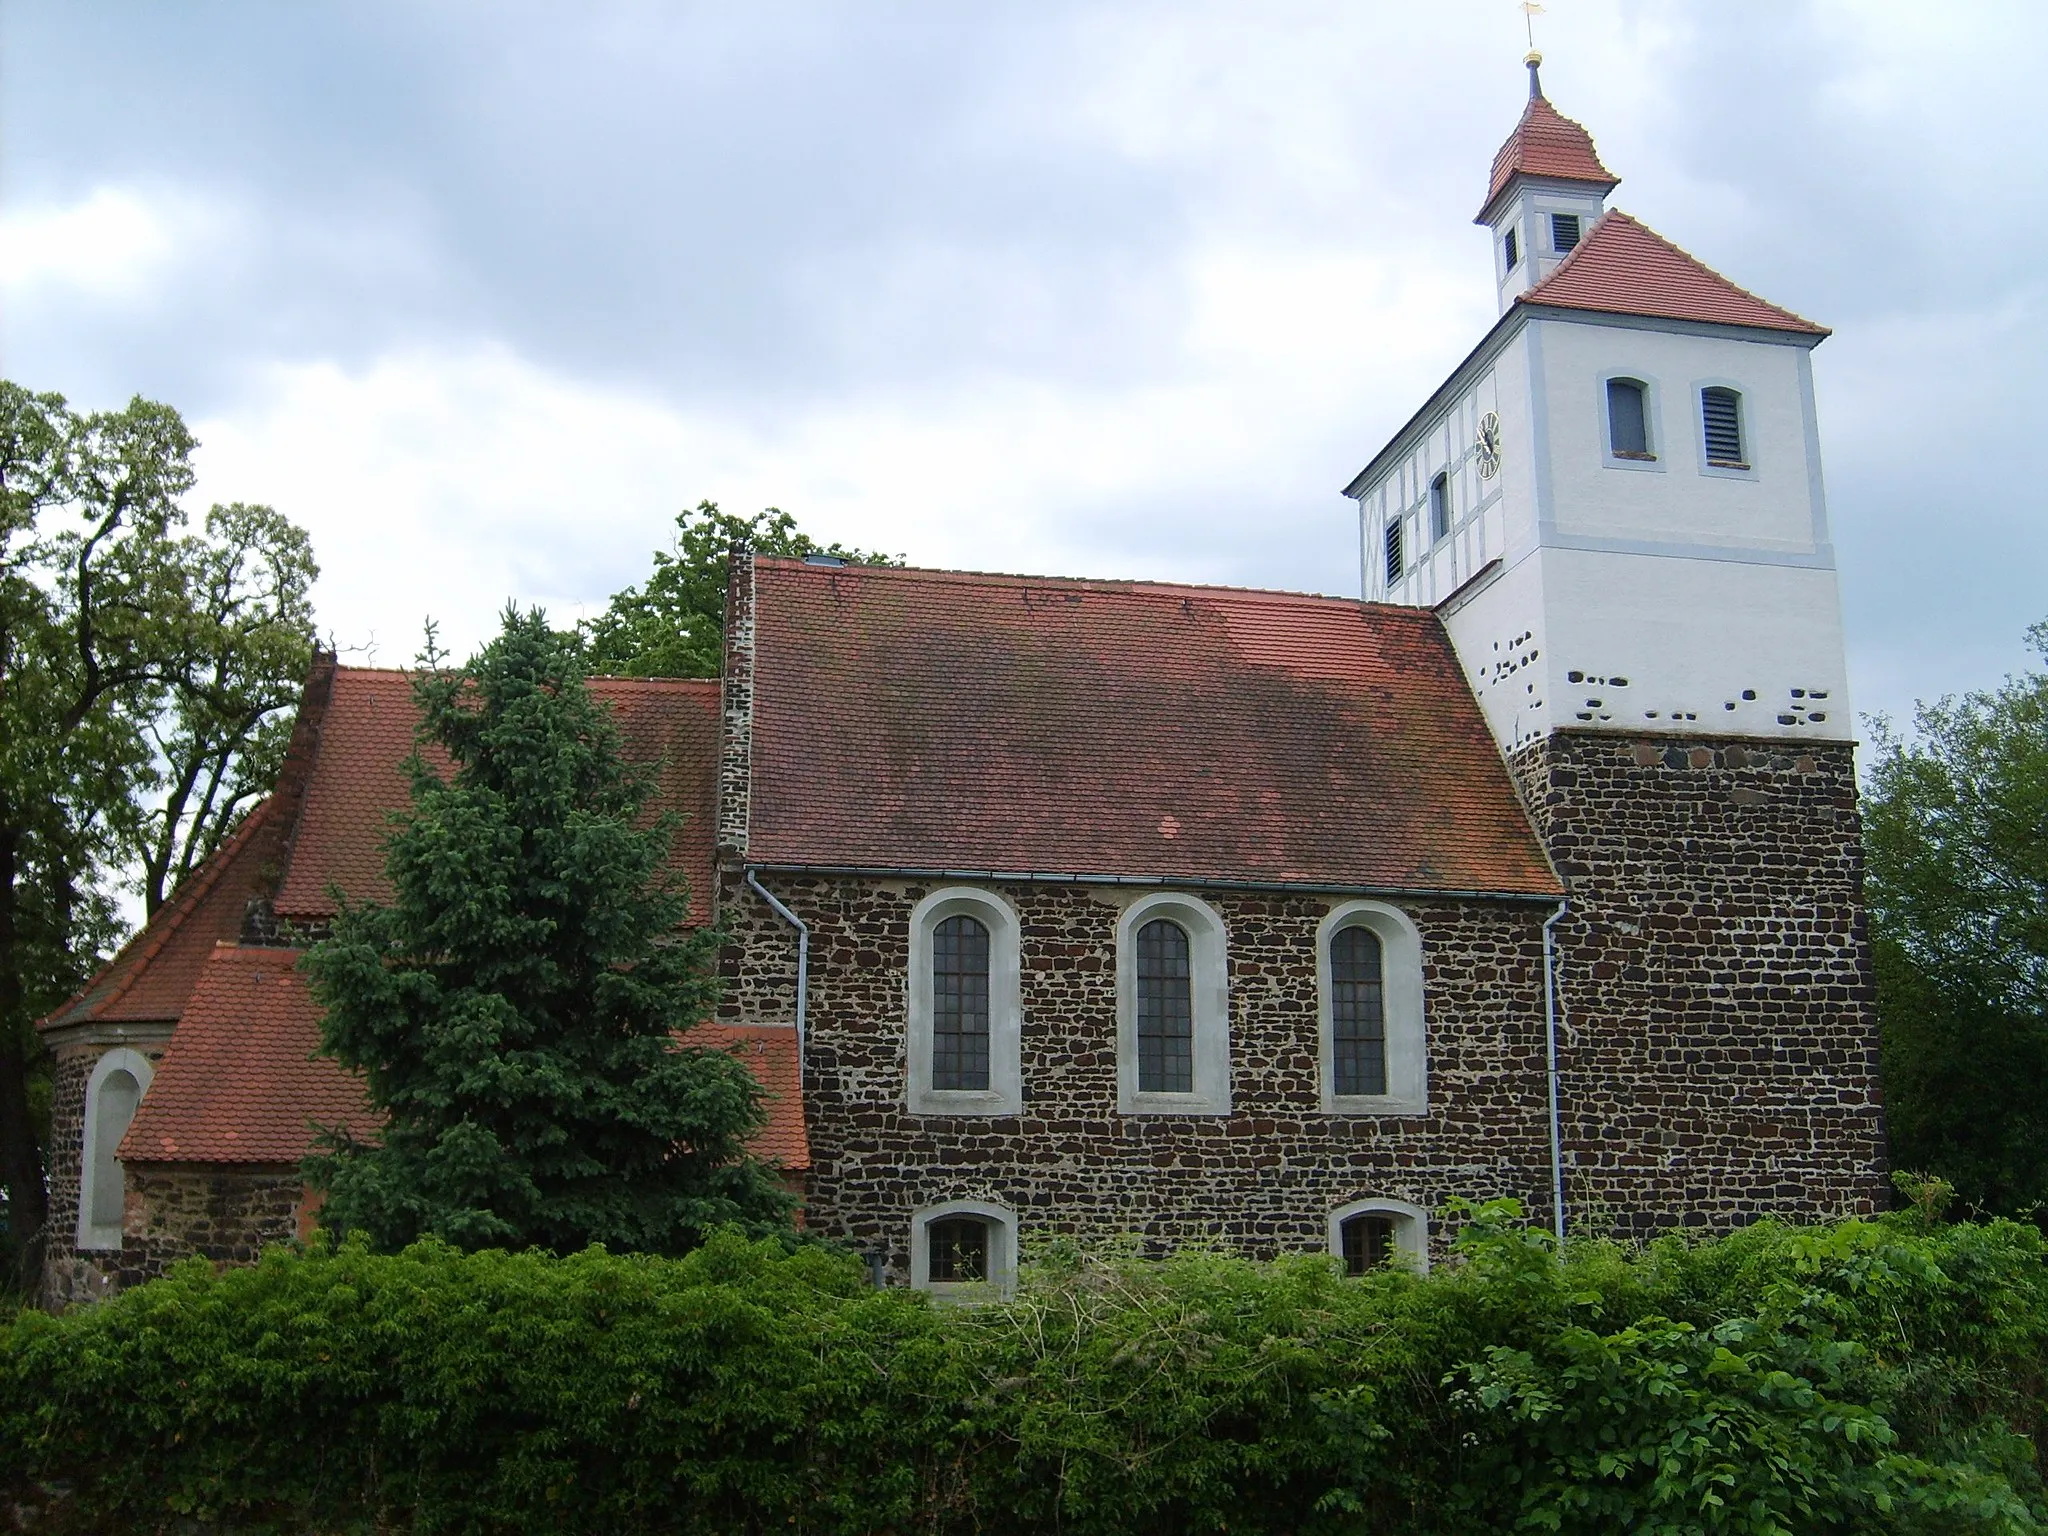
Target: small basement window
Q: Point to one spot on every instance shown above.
(1628, 419)
(1564, 231)
(1440, 507)
(1721, 421)
(1371, 1234)
(1397, 562)
(964, 1250)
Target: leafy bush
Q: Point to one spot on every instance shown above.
(1865, 1376)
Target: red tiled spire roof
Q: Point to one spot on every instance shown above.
(1620, 267)
(1548, 144)
(933, 720)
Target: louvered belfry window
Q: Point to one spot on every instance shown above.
(960, 1005)
(1511, 248)
(1721, 415)
(1396, 558)
(1358, 1011)
(1564, 231)
(956, 1250)
(1628, 425)
(1166, 1010)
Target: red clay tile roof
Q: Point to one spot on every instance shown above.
(1623, 268)
(154, 973)
(1546, 143)
(358, 780)
(239, 1083)
(933, 720)
(769, 1052)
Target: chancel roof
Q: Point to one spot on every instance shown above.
(943, 722)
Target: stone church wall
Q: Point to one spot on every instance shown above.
(1719, 1044)
(1261, 1180)
(225, 1212)
(70, 1273)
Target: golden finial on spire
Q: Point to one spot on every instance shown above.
(1530, 11)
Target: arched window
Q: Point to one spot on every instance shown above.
(1173, 1008)
(1628, 419)
(1166, 1009)
(964, 1010)
(118, 1081)
(1372, 1233)
(960, 1005)
(1358, 1017)
(1721, 424)
(1375, 1055)
(964, 1250)
(1440, 507)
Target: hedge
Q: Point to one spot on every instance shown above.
(1882, 1375)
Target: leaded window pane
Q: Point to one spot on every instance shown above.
(960, 1005)
(1358, 1012)
(956, 1249)
(1368, 1242)
(1166, 1010)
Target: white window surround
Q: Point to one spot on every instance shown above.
(1209, 990)
(91, 1234)
(1401, 1000)
(1005, 1092)
(1653, 422)
(1411, 1228)
(1745, 425)
(1002, 1251)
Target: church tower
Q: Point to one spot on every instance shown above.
(1615, 502)
(1614, 505)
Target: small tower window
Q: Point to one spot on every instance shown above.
(1721, 418)
(1440, 507)
(1511, 248)
(1396, 558)
(1564, 231)
(1628, 423)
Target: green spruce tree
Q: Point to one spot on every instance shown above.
(516, 1010)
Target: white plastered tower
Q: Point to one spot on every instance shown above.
(1615, 501)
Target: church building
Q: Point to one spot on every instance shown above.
(1076, 908)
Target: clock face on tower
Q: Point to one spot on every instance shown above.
(1487, 446)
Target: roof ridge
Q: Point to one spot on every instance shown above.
(951, 577)
(180, 908)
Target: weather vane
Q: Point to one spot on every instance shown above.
(1530, 11)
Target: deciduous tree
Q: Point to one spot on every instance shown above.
(143, 672)
(1956, 831)
(673, 624)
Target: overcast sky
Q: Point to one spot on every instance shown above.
(483, 294)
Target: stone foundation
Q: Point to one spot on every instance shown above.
(225, 1212)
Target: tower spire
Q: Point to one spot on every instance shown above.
(1535, 62)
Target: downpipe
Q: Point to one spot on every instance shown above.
(1550, 1052)
(803, 968)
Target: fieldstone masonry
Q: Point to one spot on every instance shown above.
(1261, 1180)
(1719, 1044)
